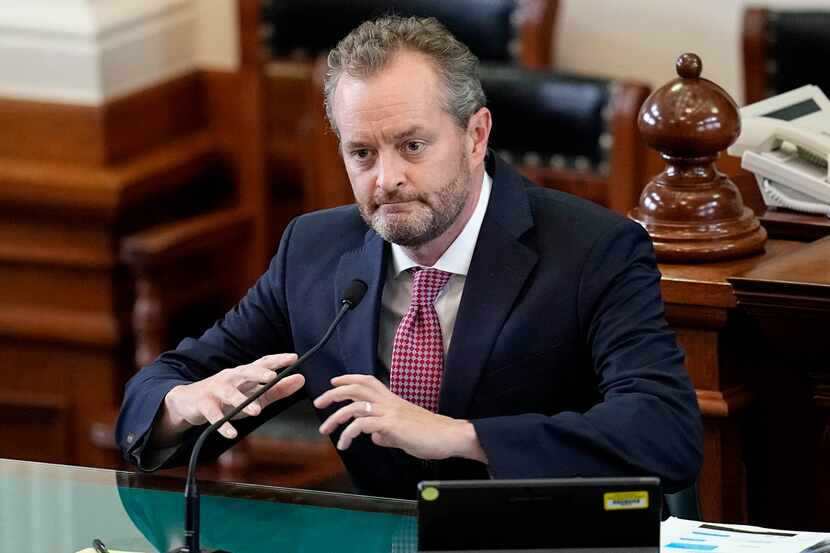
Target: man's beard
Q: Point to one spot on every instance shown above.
(428, 221)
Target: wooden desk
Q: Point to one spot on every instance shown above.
(702, 308)
(752, 330)
(754, 334)
(789, 299)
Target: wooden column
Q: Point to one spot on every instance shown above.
(74, 180)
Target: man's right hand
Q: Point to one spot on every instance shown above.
(208, 400)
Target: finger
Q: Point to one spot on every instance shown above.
(362, 425)
(363, 379)
(262, 370)
(233, 397)
(351, 411)
(276, 361)
(354, 392)
(213, 414)
(246, 384)
(284, 388)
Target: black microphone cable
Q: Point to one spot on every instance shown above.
(351, 298)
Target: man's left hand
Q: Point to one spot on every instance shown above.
(395, 422)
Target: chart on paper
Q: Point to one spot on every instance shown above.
(678, 536)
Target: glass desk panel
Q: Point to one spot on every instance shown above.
(54, 508)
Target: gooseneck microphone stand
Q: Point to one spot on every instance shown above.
(351, 298)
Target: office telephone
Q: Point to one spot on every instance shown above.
(785, 142)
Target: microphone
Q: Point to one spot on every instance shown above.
(349, 300)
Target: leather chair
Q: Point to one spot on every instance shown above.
(573, 133)
(518, 32)
(784, 50)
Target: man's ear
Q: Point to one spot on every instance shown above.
(478, 135)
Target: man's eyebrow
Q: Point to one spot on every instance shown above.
(354, 145)
(411, 131)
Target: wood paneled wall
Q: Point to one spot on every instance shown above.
(74, 182)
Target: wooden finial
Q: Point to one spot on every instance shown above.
(692, 211)
(689, 66)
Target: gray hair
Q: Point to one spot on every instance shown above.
(370, 46)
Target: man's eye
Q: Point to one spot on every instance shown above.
(414, 147)
(362, 154)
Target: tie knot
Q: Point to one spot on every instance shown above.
(426, 284)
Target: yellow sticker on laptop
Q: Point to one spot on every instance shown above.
(623, 501)
(429, 493)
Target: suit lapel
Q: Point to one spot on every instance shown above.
(501, 263)
(358, 332)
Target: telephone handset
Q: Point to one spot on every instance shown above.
(785, 142)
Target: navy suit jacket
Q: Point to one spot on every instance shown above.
(560, 357)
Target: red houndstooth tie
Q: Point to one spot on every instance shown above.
(418, 351)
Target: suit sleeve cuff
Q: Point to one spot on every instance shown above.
(136, 440)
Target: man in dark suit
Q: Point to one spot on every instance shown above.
(508, 331)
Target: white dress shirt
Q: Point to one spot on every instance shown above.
(397, 288)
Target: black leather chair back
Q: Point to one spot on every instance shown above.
(548, 119)
(306, 28)
(797, 50)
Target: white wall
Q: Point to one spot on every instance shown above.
(642, 38)
(217, 37)
(88, 52)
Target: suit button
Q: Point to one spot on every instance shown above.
(130, 438)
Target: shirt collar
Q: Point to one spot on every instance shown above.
(456, 259)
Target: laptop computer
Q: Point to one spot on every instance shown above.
(571, 515)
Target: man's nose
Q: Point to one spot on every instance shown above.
(390, 173)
